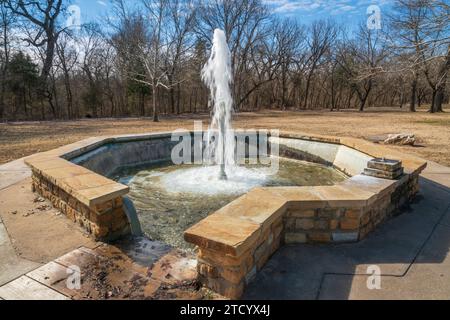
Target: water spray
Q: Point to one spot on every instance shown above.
(218, 76)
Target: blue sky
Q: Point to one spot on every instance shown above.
(349, 12)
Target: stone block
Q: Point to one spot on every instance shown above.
(353, 213)
(261, 251)
(365, 219)
(118, 224)
(289, 223)
(251, 275)
(216, 258)
(118, 202)
(327, 213)
(321, 237)
(105, 207)
(322, 224)
(295, 237)
(99, 232)
(277, 229)
(223, 287)
(304, 224)
(349, 224)
(70, 213)
(228, 235)
(384, 164)
(234, 275)
(383, 174)
(264, 236)
(345, 236)
(334, 223)
(302, 213)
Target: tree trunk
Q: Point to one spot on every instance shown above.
(433, 102)
(443, 75)
(439, 100)
(178, 98)
(155, 109)
(363, 100)
(2, 99)
(412, 105)
(308, 84)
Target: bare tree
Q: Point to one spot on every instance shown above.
(182, 19)
(6, 20)
(362, 60)
(422, 37)
(67, 59)
(153, 53)
(91, 44)
(43, 16)
(322, 36)
(407, 27)
(288, 39)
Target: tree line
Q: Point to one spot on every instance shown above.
(145, 59)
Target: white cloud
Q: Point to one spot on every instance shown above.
(332, 7)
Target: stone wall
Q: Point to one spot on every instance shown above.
(229, 275)
(106, 221)
(346, 223)
(314, 223)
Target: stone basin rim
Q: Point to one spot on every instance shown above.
(48, 163)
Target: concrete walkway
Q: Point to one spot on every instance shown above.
(411, 250)
(13, 172)
(11, 265)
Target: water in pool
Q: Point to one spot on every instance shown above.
(171, 198)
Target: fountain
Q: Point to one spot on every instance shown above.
(217, 75)
(170, 196)
(219, 173)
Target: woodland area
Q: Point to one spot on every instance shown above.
(147, 60)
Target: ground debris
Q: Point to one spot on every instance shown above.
(186, 290)
(38, 199)
(29, 213)
(44, 207)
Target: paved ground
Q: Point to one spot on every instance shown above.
(412, 251)
(11, 266)
(13, 172)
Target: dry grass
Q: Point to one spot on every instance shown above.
(432, 130)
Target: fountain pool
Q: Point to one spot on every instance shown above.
(171, 198)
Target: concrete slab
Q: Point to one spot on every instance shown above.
(438, 174)
(11, 266)
(428, 278)
(26, 288)
(13, 172)
(39, 232)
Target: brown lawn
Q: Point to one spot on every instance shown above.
(432, 130)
